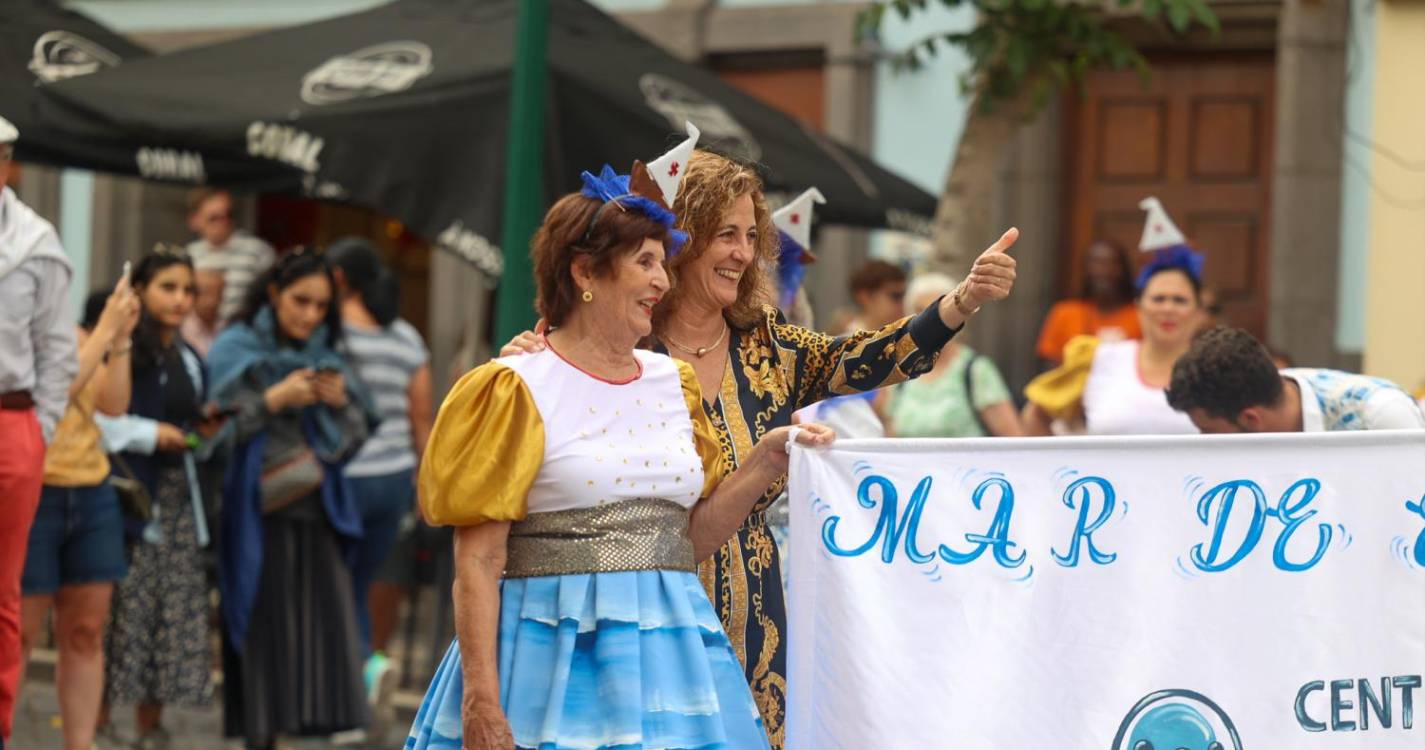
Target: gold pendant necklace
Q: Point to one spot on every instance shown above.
(701, 350)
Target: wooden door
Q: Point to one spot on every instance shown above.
(1199, 137)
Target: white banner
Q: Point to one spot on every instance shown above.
(1146, 593)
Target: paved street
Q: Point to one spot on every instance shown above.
(37, 723)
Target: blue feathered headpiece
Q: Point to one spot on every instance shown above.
(611, 187)
(1180, 257)
(791, 268)
(793, 222)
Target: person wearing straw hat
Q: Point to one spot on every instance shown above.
(586, 482)
(38, 361)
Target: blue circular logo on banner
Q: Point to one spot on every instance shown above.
(1177, 720)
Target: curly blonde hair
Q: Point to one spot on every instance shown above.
(709, 188)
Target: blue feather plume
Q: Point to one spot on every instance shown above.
(1180, 257)
(609, 185)
(790, 269)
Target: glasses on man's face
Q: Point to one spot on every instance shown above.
(218, 218)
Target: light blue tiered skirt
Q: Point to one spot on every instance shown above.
(606, 661)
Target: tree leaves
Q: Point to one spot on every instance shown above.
(1031, 49)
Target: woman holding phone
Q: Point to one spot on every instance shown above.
(158, 637)
(292, 653)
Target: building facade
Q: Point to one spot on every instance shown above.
(1271, 144)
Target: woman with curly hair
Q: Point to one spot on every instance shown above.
(755, 370)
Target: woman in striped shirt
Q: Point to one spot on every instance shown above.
(390, 357)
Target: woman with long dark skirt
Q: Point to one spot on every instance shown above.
(292, 653)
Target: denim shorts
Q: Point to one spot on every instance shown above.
(77, 537)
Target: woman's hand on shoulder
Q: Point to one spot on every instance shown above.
(485, 727)
(529, 342)
(773, 447)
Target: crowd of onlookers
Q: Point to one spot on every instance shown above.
(222, 417)
(1140, 350)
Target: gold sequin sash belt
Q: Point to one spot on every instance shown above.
(639, 534)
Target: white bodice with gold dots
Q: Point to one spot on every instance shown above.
(605, 442)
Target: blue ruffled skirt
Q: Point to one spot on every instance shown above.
(606, 661)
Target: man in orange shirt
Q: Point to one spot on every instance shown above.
(1105, 309)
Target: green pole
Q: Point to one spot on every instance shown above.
(524, 171)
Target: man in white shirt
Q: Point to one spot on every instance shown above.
(203, 324)
(38, 361)
(241, 257)
(1227, 383)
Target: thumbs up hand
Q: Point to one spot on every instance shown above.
(992, 275)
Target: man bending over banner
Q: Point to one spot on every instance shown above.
(1227, 383)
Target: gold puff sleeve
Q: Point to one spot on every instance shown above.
(704, 435)
(1060, 391)
(485, 450)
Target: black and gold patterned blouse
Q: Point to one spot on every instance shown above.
(775, 369)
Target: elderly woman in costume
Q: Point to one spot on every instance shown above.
(292, 652)
(1118, 387)
(755, 370)
(587, 475)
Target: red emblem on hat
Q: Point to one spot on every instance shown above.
(796, 218)
(673, 170)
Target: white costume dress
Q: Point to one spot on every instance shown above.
(606, 637)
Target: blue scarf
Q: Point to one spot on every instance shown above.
(254, 348)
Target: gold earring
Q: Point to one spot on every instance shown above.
(588, 296)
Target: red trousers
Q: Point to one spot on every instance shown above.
(22, 463)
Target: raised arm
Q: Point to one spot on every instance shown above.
(827, 366)
(106, 354)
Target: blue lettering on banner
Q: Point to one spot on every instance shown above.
(886, 525)
(1345, 715)
(1239, 503)
(1419, 508)
(1290, 511)
(896, 530)
(1083, 532)
(998, 534)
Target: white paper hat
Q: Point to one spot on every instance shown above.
(8, 133)
(795, 217)
(1159, 231)
(667, 170)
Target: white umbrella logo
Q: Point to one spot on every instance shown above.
(370, 71)
(61, 54)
